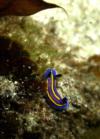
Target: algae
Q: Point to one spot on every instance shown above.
(70, 44)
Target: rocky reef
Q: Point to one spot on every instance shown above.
(27, 48)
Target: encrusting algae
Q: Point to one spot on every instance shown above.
(27, 49)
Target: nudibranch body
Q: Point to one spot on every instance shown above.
(53, 97)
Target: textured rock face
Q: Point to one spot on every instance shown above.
(27, 48)
(26, 110)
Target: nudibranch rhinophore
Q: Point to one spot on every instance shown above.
(53, 97)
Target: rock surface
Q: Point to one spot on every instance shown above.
(27, 48)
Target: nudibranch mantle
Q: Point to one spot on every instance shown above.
(53, 97)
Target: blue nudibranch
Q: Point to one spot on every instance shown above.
(53, 96)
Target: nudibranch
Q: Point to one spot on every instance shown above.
(53, 97)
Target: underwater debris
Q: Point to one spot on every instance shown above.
(25, 7)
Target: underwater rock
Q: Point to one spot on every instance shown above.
(25, 103)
